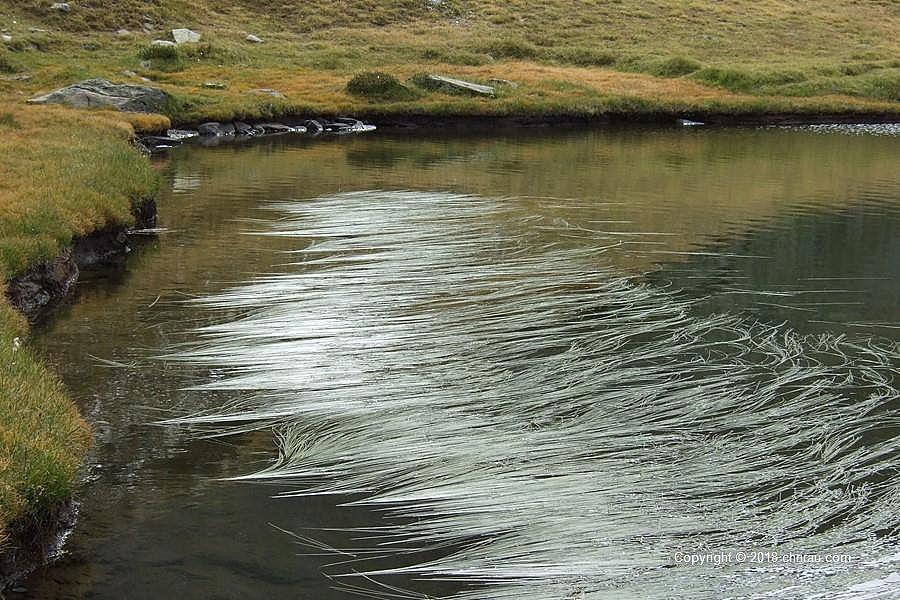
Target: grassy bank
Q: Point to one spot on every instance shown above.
(63, 174)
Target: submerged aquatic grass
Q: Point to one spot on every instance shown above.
(558, 429)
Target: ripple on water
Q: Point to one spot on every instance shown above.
(507, 395)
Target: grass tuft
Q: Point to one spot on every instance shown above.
(677, 66)
(7, 64)
(512, 47)
(375, 85)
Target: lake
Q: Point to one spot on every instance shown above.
(530, 363)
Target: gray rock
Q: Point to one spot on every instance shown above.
(61, 6)
(123, 33)
(461, 85)
(5, 38)
(214, 85)
(184, 36)
(181, 134)
(210, 129)
(102, 93)
(215, 129)
(164, 43)
(128, 73)
(253, 39)
(241, 128)
(276, 128)
(268, 92)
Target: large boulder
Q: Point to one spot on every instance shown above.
(95, 93)
(183, 36)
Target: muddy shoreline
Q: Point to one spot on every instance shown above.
(464, 122)
(45, 285)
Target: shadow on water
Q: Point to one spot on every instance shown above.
(504, 317)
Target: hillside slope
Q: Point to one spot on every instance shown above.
(576, 57)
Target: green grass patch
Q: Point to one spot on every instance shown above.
(455, 57)
(747, 80)
(584, 56)
(9, 120)
(7, 64)
(374, 85)
(512, 47)
(677, 66)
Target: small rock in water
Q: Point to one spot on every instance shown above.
(184, 36)
(163, 43)
(254, 39)
(211, 128)
(61, 6)
(268, 92)
(688, 122)
(181, 134)
(276, 128)
(241, 128)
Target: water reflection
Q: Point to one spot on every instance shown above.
(156, 518)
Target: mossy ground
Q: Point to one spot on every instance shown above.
(65, 173)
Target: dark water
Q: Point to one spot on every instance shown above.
(793, 227)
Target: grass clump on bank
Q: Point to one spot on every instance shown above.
(43, 439)
(375, 85)
(64, 174)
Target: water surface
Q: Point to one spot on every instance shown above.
(553, 284)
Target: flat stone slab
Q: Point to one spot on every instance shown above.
(468, 86)
(94, 93)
